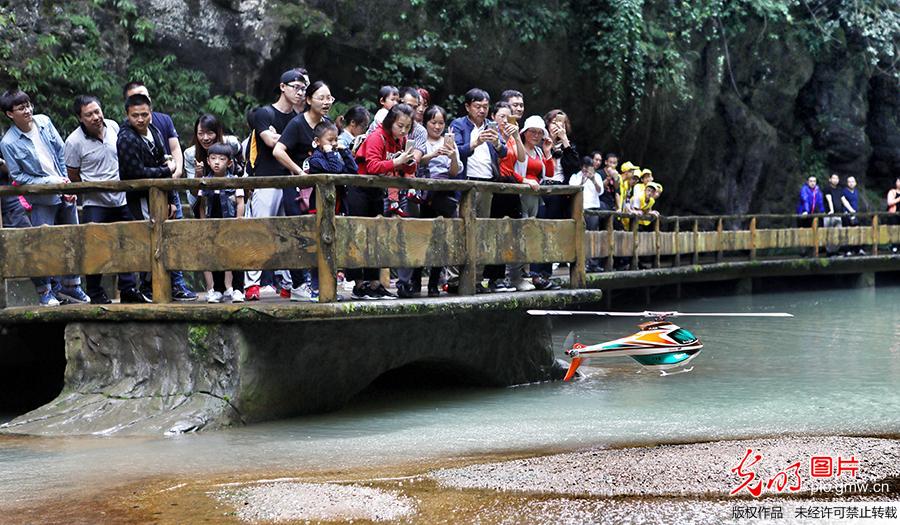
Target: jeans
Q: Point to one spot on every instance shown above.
(52, 214)
(104, 215)
(177, 276)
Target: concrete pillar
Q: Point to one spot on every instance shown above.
(864, 280)
(744, 286)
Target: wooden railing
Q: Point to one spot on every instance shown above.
(701, 239)
(325, 240)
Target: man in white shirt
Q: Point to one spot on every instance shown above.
(592, 186)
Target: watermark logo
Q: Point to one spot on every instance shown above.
(791, 479)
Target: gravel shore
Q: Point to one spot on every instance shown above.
(661, 484)
(702, 469)
(316, 502)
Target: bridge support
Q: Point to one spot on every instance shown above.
(172, 377)
(864, 280)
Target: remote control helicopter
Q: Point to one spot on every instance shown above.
(660, 345)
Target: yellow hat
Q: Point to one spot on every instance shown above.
(647, 172)
(628, 166)
(657, 186)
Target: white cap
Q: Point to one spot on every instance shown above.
(537, 122)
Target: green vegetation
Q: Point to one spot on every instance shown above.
(75, 57)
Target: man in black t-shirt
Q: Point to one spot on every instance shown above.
(834, 208)
(268, 123)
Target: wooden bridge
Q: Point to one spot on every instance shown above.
(329, 242)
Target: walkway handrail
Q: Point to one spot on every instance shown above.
(287, 181)
(731, 217)
(324, 240)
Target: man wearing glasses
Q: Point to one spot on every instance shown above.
(268, 123)
(33, 151)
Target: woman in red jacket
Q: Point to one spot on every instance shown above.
(382, 153)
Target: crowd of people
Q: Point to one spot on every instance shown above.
(841, 203)
(296, 135)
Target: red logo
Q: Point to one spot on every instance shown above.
(790, 478)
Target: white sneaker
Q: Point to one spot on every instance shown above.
(237, 296)
(213, 296)
(229, 293)
(524, 286)
(268, 291)
(304, 293)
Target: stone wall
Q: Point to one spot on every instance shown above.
(163, 378)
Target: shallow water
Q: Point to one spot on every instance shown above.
(831, 369)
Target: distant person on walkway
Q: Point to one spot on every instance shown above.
(592, 186)
(834, 207)
(91, 157)
(611, 182)
(850, 200)
(893, 203)
(33, 151)
(172, 147)
(478, 141)
(811, 201)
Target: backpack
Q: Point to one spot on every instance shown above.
(252, 150)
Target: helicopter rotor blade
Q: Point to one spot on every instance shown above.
(649, 313)
(569, 342)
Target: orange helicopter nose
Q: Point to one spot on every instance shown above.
(573, 366)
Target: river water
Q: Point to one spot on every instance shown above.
(832, 369)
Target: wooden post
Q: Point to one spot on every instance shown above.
(677, 235)
(657, 241)
(815, 236)
(719, 251)
(162, 280)
(577, 271)
(753, 239)
(634, 244)
(611, 243)
(467, 277)
(325, 232)
(2, 257)
(875, 235)
(695, 258)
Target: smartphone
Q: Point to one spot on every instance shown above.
(448, 139)
(512, 120)
(410, 145)
(493, 125)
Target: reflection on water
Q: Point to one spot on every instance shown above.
(832, 369)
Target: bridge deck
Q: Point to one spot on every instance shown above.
(283, 310)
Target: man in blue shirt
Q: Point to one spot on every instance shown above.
(33, 151)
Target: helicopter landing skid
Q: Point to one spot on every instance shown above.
(663, 373)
